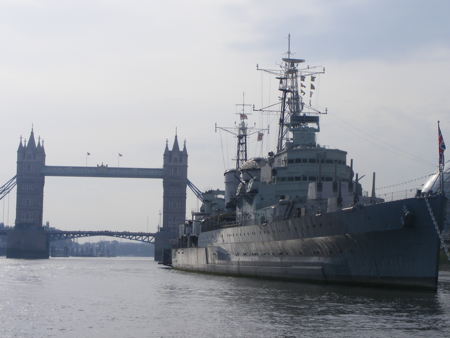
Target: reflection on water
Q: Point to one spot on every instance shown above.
(132, 297)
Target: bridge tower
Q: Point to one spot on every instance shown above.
(30, 183)
(28, 240)
(174, 197)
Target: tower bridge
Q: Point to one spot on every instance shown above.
(29, 239)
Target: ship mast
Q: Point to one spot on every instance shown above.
(291, 102)
(241, 131)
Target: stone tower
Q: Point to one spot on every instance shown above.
(28, 238)
(30, 183)
(174, 185)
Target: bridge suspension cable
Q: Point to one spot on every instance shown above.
(197, 192)
(6, 188)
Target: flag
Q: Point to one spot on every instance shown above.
(313, 87)
(441, 147)
(302, 92)
(311, 94)
(260, 136)
(313, 78)
(243, 116)
(302, 78)
(120, 155)
(87, 154)
(302, 85)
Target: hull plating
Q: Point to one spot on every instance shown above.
(372, 245)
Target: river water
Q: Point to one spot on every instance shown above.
(135, 297)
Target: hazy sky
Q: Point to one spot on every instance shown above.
(119, 76)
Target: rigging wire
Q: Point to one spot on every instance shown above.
(374, 140)
(223, 154)
(405, 182)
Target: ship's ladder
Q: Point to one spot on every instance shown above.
(436, 227)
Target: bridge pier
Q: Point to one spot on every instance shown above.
(29, 242)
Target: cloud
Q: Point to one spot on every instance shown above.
(344, 29)
(110, 76)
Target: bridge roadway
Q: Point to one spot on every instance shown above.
(54, 235)
(103, 171)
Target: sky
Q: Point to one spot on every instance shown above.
(109, 77)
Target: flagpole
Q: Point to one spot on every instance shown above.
(441, 159)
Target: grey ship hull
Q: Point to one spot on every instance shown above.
(371, 245)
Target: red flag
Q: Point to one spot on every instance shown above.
(441, 147)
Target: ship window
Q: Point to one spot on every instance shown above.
(304, 160)
(312, 178)
(312, 160)
(329, 161)
(298, 178)
(304, 178)
(290, 179)
(290, 161)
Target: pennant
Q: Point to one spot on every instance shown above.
(243, 116)
(302, 92)
(302, 85)
(313, 87)
(313, 78)
(302, 78)
(88, 154)
(120, 155)
(311, 94)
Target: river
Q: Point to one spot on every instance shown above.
(135, 297)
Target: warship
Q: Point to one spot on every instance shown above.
(299, 214)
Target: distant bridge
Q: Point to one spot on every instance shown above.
(55, 235)
(146, 237)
